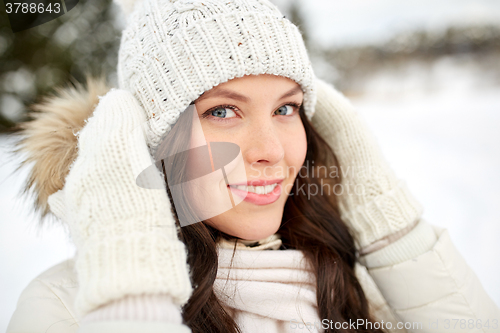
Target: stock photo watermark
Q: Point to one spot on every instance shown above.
(28, 14)
(452, 324)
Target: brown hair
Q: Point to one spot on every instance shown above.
(312, 225)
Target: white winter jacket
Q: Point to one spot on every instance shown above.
(433, 292)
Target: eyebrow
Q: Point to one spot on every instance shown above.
(234, 95)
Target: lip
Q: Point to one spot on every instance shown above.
(259, 199)
(259, 182)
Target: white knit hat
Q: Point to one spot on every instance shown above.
(173, 51)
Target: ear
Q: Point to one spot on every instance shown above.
(57, 204)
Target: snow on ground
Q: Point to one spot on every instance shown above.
(445, 143)
(438, 126)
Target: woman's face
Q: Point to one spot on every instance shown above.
(260, 114)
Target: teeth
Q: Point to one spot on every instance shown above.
(260, 189)
(257, 189)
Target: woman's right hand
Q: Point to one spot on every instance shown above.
(125, 235)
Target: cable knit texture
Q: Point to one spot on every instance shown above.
(173, 51)
(372, 200)
(125, 235)
(419, 240)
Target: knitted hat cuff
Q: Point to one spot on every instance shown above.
(211, 51)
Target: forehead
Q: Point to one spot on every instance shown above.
(244, 87)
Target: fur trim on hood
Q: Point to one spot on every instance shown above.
(48, 140)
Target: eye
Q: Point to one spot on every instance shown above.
(223, 112)
(284, 110)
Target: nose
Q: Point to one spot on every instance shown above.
(263, 146)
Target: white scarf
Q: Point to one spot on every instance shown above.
(267, 291)
(275, 291)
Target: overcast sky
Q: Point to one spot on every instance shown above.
(335, 22)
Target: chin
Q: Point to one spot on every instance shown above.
(247, 228)
(260, 233)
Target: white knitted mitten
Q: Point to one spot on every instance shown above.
(157, 307)
(125, 235)
(372, 200)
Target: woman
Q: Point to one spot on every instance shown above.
(270, 249)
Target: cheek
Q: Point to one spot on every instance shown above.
(295, 145)
(200, 136)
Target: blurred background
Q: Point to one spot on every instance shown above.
(424, 74)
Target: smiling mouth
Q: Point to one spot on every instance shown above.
(256, 189)
(258, 192)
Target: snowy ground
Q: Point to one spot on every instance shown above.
(439, 127)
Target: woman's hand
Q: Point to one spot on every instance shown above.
(374, 202)
(125, 235)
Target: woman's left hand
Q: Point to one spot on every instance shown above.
(373, 201)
